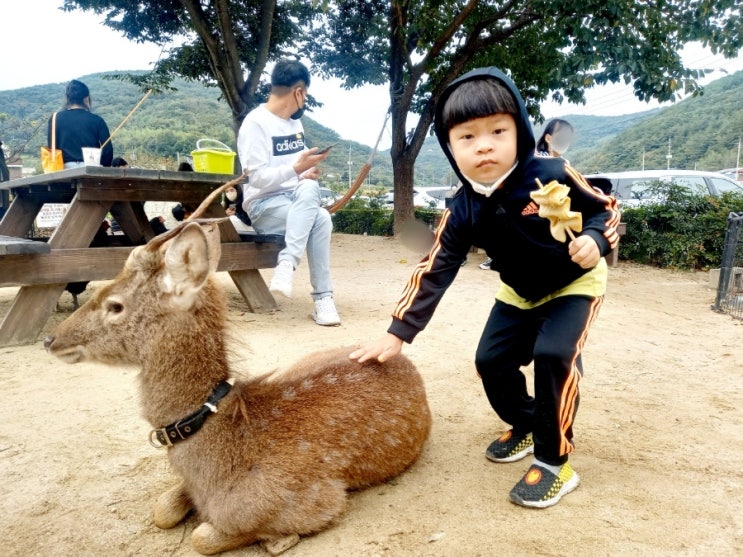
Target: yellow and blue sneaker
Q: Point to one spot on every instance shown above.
(510, 448)
(541, 488)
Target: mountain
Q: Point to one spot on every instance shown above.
(703, 131)
(165, 128)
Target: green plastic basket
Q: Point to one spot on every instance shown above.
(214, 157)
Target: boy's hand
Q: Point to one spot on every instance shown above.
(382, 349)
(584, 251)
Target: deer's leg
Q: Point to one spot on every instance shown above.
(277, 546)
(172, 507)
(207, 540)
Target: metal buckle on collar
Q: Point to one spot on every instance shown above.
(156, 439)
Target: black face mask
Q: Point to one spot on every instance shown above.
(299, 112)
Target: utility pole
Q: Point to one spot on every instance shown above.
(349, 165)
(737, 162)
(643, 158)
(669, 156)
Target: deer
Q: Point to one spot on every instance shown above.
(264, 459)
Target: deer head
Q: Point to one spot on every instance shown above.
(160, 298)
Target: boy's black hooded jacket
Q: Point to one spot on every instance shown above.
(506, 225)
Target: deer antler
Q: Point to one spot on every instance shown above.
(158, 241)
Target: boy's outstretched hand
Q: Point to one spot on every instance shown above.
(584, 251)
(382, 349)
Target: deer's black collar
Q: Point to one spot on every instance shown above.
(182, 429)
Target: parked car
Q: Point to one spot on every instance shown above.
(328, 197)
(734, 173)
(638, 187)
(420, 199)
(440, 194)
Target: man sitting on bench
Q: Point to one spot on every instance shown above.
(283, 196)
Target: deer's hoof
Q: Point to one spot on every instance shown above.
(171, 508)
(207, 540)
(279, 545)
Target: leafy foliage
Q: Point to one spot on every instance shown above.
(222, 43)
(549, 47)
(685, 231)
(373, 219)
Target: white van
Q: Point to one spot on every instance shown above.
(636, 187)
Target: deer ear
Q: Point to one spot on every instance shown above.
(214, 243)
(187, 265)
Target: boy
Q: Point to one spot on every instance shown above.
(550, 291)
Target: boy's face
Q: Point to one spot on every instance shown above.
(485, 148)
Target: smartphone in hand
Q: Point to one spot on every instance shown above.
(326, 149)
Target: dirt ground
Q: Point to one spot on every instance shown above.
(659, 433)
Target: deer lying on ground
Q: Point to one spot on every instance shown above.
(266, 459)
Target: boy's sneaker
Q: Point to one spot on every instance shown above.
(325, 313)
(282, 278)
(540, 488)
(485, 265)
(510, 448)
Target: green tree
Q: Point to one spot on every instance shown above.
(17, 131)
(549, 47)
(225, 43)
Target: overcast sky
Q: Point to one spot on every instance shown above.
(33, 30)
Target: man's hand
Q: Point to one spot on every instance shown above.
(382, 349)
(584, 251)
(307, 159)
(311, 174)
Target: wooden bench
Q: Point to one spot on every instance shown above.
(10, 245)
(46, 266)
(262, 238)
(42, 270)
(613, 258)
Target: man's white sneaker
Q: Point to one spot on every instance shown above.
(282, 278)
(325, 312)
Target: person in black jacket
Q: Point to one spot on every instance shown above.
(550, 291)
(77, 127)
(4, 172)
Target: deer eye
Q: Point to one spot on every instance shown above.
(113, 306)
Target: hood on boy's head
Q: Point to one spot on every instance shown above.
(526, 143)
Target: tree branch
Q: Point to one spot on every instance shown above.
(230, 53)
(443, 39)
(227, 76)
(261, 58)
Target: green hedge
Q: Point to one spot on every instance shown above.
(684, 232)
(360, 217)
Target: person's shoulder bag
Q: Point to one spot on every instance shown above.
(51, 158)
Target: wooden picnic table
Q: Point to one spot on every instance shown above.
(42, 269)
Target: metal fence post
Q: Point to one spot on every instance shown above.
(732, 238)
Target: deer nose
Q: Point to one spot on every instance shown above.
(48, 341)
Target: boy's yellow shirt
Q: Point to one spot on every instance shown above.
(592, 284)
